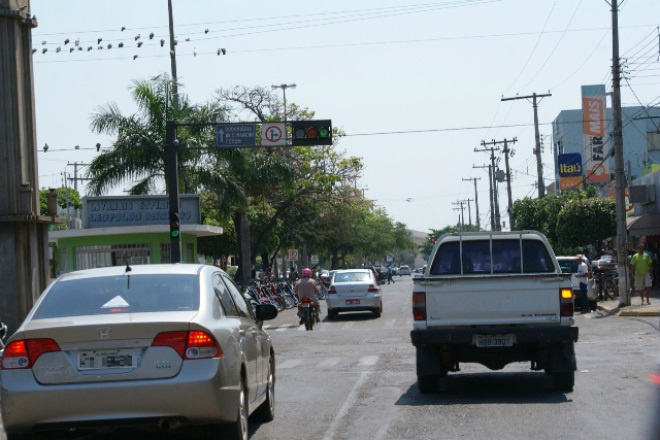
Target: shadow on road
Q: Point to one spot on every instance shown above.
(487, 388)
(351, 316)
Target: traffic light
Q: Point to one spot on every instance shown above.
(311, 133)
(174, 224)
(432, 240)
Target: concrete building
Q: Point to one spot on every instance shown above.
(133, 229)
(641, 139)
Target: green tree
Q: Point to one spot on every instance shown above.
(434, 234)
(74, 198)
(586, 221)
(138, 151)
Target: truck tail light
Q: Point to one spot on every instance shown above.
(189, 345)
(566, 302)
(419, 306)
(24, 353)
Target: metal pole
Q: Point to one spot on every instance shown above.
(172, 178)
(492, 206)
(284, 98)
(619, 174)
(508, 183)
(469, 212)
(496, 202)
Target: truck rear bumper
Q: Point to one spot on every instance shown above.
(523, 335)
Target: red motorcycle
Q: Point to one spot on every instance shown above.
(308, 313)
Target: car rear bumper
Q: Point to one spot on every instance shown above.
(340, 304)
(199, 394)
(523, 335)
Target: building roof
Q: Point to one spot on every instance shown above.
(196, 230)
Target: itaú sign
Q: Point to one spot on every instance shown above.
(570, 165)
(111, 211)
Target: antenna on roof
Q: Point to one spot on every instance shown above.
(128, 269)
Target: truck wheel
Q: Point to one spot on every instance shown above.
(428, 384)
(593, 305)
(564, 381)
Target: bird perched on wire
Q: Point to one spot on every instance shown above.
(134, 57)
(137, 37)
(151, 36)
(140, 43)
(66, 41)
(98, 40)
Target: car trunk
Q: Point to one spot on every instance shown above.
(351, 290)
(105, 348)
(477, 300)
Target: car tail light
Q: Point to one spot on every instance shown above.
(419, 306)
(189, 345)
(332, 290)
(24, 353)
(373, 288)
(566, 302)
(655, 378)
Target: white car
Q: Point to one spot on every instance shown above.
(405, 270)
(568, 264)
(354, 290)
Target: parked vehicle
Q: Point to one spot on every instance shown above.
(117, 346)
(308, 313)
(3, 335)
(569, 264)
(354, 290)
(405, 270)
(493, 298)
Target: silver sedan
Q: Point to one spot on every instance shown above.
(170, 346)
(354, 290)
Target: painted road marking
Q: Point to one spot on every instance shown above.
(348, 404)
(368, 360)
(290, 363)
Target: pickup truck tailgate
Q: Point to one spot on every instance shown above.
(492, 300)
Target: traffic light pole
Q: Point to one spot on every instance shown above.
(172, 181)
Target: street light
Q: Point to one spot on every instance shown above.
(283, 87)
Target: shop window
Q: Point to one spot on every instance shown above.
(90, 257)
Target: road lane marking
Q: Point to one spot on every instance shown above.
(329, 362)
(366, 361)
(348, 403)
(348, 325)
(390, 323)
(290, 363)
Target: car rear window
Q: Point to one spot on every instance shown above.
(120, 294)
(351, 277)
(568, 266)
(504, 257)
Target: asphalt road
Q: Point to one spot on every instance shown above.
(355, 379)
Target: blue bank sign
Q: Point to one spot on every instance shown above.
(107, 212)
(570, 165)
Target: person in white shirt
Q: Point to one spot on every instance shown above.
(579, 282)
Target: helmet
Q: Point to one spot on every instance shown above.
(307, 272)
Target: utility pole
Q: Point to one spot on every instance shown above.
(497, 225)
(175, 80)
(619, 174)
(283, 87)
(460, 203)
(172, 182)
(75, 177)
(490, 183)
(476, 199)
(469, 211)
(536, 98)
(507, 176)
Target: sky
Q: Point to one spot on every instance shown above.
(436, 69)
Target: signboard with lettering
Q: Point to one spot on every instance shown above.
(594, 131)
(570, 164)
(113, 211)
(236, 135)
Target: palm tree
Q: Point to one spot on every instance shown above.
(138, 153)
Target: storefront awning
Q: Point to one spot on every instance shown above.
(643, 225)
(196, 230)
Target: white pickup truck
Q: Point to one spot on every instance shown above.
(493, 299)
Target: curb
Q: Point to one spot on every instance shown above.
(617, 311)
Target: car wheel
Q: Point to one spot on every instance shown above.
(266, 412)
(378, 311)
(332, 314)
(238, 430)
(428, 384)
(564, 381)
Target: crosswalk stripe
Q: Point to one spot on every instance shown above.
(368, 361)
(290, 363)
(329, 362)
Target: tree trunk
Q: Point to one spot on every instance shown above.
(265, 261)
(335, 261)
(242, 226)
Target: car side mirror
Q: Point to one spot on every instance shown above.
(3, 330)
(266, 312)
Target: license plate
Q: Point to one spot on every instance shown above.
(97, 360)
(305, 304)
(352, 301)
(494, 340)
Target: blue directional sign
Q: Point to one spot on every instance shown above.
(236, 135)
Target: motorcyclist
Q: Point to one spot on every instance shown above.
(308, 287)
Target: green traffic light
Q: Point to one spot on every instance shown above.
(324, 132)
(174, 234)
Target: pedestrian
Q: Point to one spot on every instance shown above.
(642, 266)
(579, 282)
(389, 275)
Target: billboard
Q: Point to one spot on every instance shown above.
(570, 164)
(110, 211)
(594, 132)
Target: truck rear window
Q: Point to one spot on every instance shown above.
(505, 257)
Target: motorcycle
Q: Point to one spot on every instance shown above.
(308, 313)
(3, 335)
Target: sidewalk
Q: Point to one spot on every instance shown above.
(635, 309)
